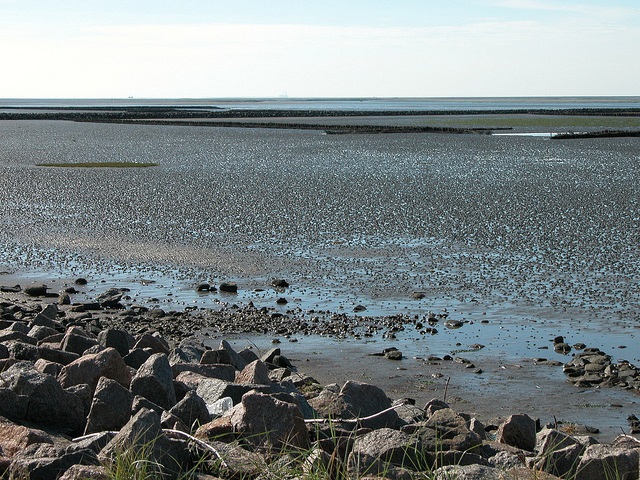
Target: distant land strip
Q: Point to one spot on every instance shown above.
(103, 114)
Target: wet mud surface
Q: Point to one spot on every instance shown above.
(519, 238)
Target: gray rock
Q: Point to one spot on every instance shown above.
(223, 372)
(84, 393)
(229, 287)
(49, 404)
(220, 356)
(255, 372)
(21, 350)
(505, 460)
(191, 410)
(153, 342)
(269, 355)
(238, 462)
(434, 405)
(38, 290)
(50, 368)
(55, 355)
(608, 461)
(269, 423)
(212, 389)
(136, 357)
(47, 317)
(447, 430)
(12, 405)
(40, 332)
(121, 340)
(330, 404)
(89, 368)
(373, 452)
(154, 381)
(140, 403)
(518, 431)
(111, 298)
(75, 342)
(110, 408)
(43, 461)
(143, 434)
(14, 438)
(248, 355)
(85, 472)
(186, 354)
(469, 472)
(365, 400)
(236, 360)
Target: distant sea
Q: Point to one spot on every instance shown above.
(359, 104)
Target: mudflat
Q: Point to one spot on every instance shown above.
(519, 238)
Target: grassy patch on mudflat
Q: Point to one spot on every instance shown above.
(99, 165)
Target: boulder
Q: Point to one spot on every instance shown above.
(56, 355)
(558, 453)
(110, 407)
(255, 372)
(154, 381)
(22, 350)
(446, 430)
(75, 342)
(85, 472)
(140, 402)
(223, 372)
(89, 368)
(608, 461)
(14, 438)
(142, 437)
(186, 353)
(518, 431)
(236, 360)
(84, 393)
(155, 343)
(365, 400)
(136, 357)
(40, 332)
(47, 317)
(270, 423)
(111, 298)
(248, 355)
(191, 410)
(37, 290)
(239, 462)
(211, 390)
(48, 404)
(50, 368)
(330, 404)
(220, 356)
(43, 461)
(12, 405)
(373, 452)
(121, 340)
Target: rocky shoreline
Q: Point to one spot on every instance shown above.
(84, 383)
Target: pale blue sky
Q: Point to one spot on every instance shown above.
(328, 48)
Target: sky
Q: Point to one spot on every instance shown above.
(318, 48)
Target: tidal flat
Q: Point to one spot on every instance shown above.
(520, 238)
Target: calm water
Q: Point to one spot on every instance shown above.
(372, 104)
